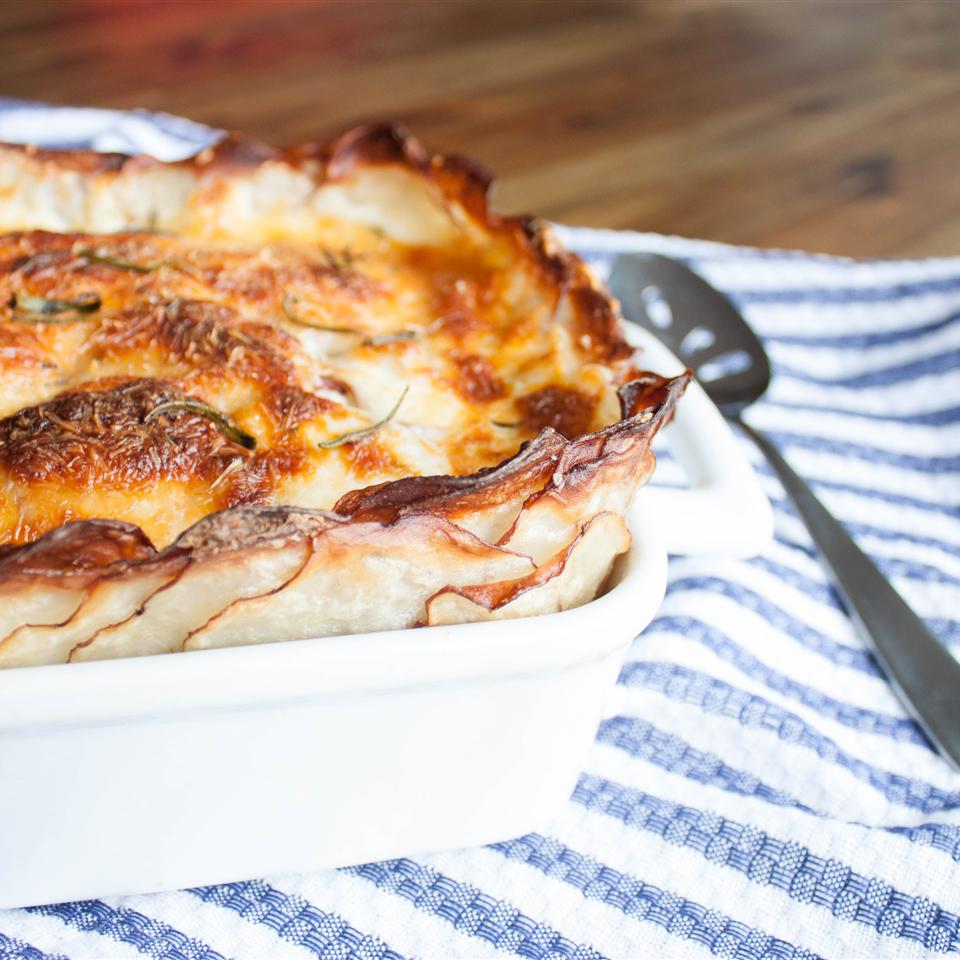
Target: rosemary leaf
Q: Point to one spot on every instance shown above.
(85, 303)
(94, 257)
(30, 309)
(365, 431)
(289, 310)
(398, 337)
(229, 429)
(505, 425)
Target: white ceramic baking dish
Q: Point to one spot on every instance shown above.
(236, 763)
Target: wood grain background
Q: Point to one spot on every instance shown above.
(829, 125)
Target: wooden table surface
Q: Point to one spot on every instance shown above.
(829, 125)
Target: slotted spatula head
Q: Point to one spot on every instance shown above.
(697, 322)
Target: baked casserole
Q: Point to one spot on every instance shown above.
(264, 395)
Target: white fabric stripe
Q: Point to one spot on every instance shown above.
(224, 930)
(726, 890)
(914, 439)
(902, 518)
(850, 319)
(664, 642)
(744, 273)
(409, 931)
(928, 393)
(928, 599)
(905, 758)
(52, 935)
(808, 269)
(829, 362)
(864, 509)
(781, 652)
(893, 548)
(908, 866)
(801, 606)
(791, 768)
(580, 919)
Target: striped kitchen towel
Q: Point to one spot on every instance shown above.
(756, 790)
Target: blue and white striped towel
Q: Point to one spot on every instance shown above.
(756, 790)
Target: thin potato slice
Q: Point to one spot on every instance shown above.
(112, 600)
(570, 578)
(363, 576)
(46, 581)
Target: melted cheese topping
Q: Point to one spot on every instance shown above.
(299, 342)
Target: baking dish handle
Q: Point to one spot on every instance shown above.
(724, 511)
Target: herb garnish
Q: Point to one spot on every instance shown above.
(289, 310)
(88, 253)
(399, 336)
(226, 425)
(289, 302)
(365, 431)
(28, 308)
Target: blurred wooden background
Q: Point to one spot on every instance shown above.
(828, 125)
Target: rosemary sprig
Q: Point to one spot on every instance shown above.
(384, 338)
(85, 303)
(229, 429)
(28, 308)
(288, 304)
(90, 254)
(365, 431)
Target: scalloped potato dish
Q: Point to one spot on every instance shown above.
(265, 395)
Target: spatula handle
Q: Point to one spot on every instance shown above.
(925, 674)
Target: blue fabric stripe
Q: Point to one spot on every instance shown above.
(939, 363)
(296, 920)
(720, 934)
(938, 417)
(818, 589)
(12, 948)
(641, 740)
(768, 860)
(858, 718)
(945, 628)
(890, 567)
(149, 936)
(883, 496)
(714, 696)
(841, 296)
(863, 341)
(948, 630)
(866, 452)
(471, 911)
(881, 533)
(838, 653)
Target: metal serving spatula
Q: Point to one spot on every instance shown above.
(704, 329)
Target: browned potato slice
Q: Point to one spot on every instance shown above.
(362, 577)
(112, 600)
(45, 582)
(570, 578)
(228, 556)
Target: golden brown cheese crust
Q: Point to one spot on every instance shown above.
(346, 328)
(230, 327)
